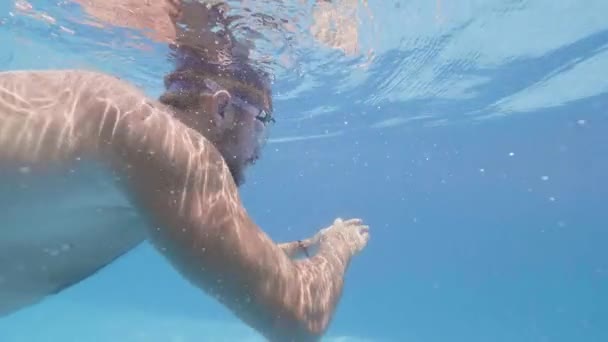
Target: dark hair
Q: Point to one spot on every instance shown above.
(239, 78)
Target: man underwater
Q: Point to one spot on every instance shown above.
(108, 167)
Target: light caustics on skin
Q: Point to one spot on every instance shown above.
(181, 186)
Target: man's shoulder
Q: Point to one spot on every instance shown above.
(64, 76)
(82, 81)
(53, 73)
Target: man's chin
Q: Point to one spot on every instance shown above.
(239, 179)
(237, 169)
(238, 173)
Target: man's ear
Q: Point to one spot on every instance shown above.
(219, 101)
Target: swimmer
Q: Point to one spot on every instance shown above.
(165, 170)
(69, 123)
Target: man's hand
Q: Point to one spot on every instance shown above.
(352, 233)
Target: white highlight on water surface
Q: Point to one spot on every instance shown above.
(398, 121)
(304, 137)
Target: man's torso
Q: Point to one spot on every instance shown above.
(64, 216)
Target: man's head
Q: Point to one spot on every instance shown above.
(231, 108)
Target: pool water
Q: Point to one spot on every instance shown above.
(471, 136)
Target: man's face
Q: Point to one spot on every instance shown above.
(243, 132)
(242, 144)
(236, 127)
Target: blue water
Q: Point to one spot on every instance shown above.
(474, 144)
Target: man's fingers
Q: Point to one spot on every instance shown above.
(353, 222)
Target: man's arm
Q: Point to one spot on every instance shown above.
(181, 181)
